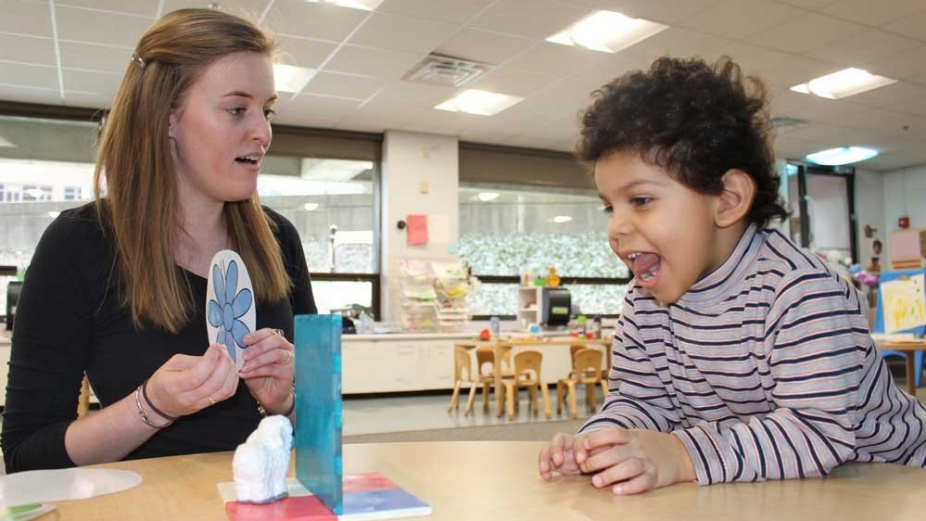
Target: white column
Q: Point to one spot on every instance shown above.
(420, 175)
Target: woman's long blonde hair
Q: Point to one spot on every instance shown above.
(141, 205)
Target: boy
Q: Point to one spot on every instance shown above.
(738, 356)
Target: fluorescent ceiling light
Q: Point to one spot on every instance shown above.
(846, 82)
(5, 143)
(559, 219)
(607, 31)
(289, 78)
(366, 5)
(488, 196)
(310, 207)
(842, 155)
(479, 102)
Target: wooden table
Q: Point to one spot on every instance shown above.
(499, 345)
(910, 348)
(489, 481)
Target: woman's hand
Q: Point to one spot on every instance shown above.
(269, 369)
(187, 384)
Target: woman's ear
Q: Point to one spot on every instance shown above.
(739, 191)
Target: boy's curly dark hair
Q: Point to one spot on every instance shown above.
(694, 120)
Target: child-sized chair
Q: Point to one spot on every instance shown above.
(463, 374)
(526, 374)
(586, 369)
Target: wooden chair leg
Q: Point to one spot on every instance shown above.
(509, 396)
(604, 391)
(546, 399)
(590, 398)
(532, 400)
(560, 399)
(470, 399)
(571, 392)
(455, 398)
(485, 397)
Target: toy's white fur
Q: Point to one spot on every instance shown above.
(260, 464)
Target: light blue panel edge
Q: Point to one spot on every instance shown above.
(319, 417)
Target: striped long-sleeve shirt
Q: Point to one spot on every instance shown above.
(765, 369)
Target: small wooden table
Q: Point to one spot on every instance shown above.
(499, 345)
(490, 480)
(910, 348)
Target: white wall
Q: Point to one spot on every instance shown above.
(870, 204)
(420, 175)
(904, 195)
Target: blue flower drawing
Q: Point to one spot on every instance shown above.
(227, 307)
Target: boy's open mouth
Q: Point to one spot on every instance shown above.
(645, 267)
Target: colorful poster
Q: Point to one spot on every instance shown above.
(904, 303)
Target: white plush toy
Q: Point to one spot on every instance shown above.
(260, 464)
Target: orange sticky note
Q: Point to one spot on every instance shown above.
(417, 229)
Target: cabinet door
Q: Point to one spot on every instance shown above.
(439, 367)
(381, 366)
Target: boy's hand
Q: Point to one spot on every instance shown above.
(558, 455)
(633, 460)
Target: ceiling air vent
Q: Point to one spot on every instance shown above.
(446, 70)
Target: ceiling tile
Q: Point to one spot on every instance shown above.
(485, 46)
(83, 25)
(253, 8)
(663, 11)
(896, 93)
(675, 41)
(900, 66)
(797, 70)
(402, 33)
(94, 82)
(512, 82)
(741, 18)
(305, 53)
(380, 63)
(27, 49)
(871, 12)
(550, 58)
(24, 75)
(810, 4)
(19, 17)
(344, 85)
(533, 18)
(106, 58)
(313, 20)
(913, 26)
(458, 11)
(382, 115)
(806, 33)
(865, 47)
(417, 94)
(30, 95)
(137, 7)
(316, 104)
(307, 119)
(88, 100)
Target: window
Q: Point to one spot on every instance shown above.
(505, 231)
(49, 163)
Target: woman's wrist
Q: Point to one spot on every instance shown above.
(286, 408)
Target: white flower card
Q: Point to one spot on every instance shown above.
(230, 307)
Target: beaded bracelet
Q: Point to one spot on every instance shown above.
(144, 395)
(263, 411)
(143, 415)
